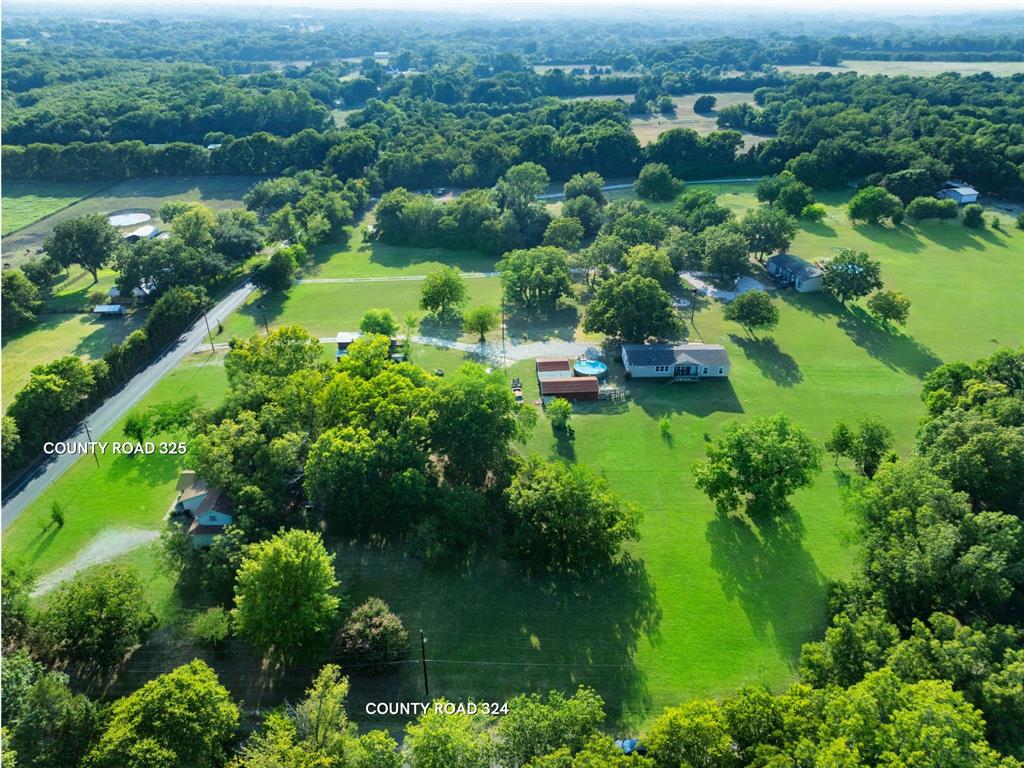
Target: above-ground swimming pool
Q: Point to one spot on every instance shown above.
(128, 218)
(590, 368)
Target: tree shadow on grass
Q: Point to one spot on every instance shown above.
(540, 325)
(265, 308)
(901, 238)
(764, 566)
(895, 350)
(447, 327)
(565, 444)
(773, 363)
(492, 633)
(658, 397)
(819, 228)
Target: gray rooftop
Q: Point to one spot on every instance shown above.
(666, 354)
(794, 264)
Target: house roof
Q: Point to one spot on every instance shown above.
(963, 190)
(347, 337)
(645, 355)
(108, 309)
(568, 386)
(190, 486)
(196, 529)
(794, 264)
(552, 364)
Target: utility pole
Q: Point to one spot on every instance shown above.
(89, 435)
(693, 304)
(209, 332)
(423, 656)
(264, 313)
(504, 362)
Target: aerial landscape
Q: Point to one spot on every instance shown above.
(459, 386)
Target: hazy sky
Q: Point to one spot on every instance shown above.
(817, 7)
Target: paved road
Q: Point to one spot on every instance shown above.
(118, 404)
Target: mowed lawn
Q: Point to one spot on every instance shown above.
(27, 201)
(702, 604)
(54, 336)
(122, 492)
(133, 194)
(358, 257)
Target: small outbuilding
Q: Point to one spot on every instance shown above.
(682, 362)
(555, 379)
(108, 310)
(344, 340)
(960, 192)
(792, 270)
(145, 232)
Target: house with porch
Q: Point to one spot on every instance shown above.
(209, 509)
(679, 362)
(792, 270)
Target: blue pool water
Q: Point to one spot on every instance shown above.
(590, 368)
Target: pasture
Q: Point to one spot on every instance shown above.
(25, 202)
(912, 68)
(146, 194)
(701, 604)
(649, 127)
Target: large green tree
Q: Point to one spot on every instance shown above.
(443, 292)
(284, 594)
(535, 278)
(851, 274)
(753, 310)
(768, 229)
(758, 463)
(183, 719)
(631, 307)
(89, 241)
(19, 299)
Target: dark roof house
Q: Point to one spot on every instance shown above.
(790, 269)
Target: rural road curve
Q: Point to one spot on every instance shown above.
(118, 404)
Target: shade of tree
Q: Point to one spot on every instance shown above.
(536, 278)
(890, 307)
(88, 241)
(284, 594)
(535, 726)
(973, 216)
(851, 274)
(768, 230)
(19, 299)
(182, 718)
(564, 232)
(564, 517)
(753, 310)
(632, 308)
(443, 292)
(758, 464)
(379, 321)
(374, 636)
(481, 320)
(95, 618)
(725, 251)
(276, 274)
(656, 182)
(872, 204)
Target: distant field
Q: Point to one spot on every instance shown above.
(913, 68)
(54, 336)
(145, 194)
(649, 127)
(25, 202)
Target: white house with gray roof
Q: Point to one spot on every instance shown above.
(689, 362)
(792, 270)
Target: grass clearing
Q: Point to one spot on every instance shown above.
(25, 202)
(911, 68)
(147, 194)
(54, 336)
(649, 127)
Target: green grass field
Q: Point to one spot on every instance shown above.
(649, 127)
(142, 194)
(25, 202)
(912, 68)
(54, 336)
(702, 604)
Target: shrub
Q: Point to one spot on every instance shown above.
(921, 208)
(973, 216)
(872, 204)
(374, 635)
(212, 627)
(559, 410)
(814, 212)
(656, 182)
(1020, 221)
